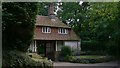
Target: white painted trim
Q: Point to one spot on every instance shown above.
(60, 31)
(35, 47)
(56, 46)
(46, 28)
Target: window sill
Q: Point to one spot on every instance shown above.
(46, 32)
(62, 33)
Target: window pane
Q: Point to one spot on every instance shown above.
(63, 30)
(43, 29)
(49, 30)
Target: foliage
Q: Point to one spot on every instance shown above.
(89, 59)
(18, 25)
(45, 62)
(94, 21)
(93, 52)
(17, 32)
(43, 8)
(103, 23)
(94, 47)
(66, 51)
(72, 14)
(18, 59)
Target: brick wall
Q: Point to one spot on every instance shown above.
(54, 32)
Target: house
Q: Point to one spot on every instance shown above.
(51, 34)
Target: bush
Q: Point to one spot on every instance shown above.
(15, 59)
(90, 60)
(93, 53)
(66, 51)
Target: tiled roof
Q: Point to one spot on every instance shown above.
(46, 21)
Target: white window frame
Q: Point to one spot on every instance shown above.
(46, 30)
(62, 31)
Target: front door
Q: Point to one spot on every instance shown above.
(50, 49)
(41, 48)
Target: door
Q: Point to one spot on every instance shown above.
(41, 48)
(50, 49)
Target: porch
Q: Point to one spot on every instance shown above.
(46, 48)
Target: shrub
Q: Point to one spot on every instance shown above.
(92, 45)
(89, 60)
(66, 51)
(17, 59)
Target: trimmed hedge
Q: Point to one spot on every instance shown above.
(93, 46)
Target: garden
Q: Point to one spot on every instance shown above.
(84, 58)
(97, 25)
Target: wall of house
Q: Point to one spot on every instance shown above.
(54, 33)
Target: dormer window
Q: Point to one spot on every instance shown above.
(62, 31)
(46, 29)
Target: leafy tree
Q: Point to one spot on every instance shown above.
(43, 8)
(74, 14)
(93, 21)
(103, 20)
(18, 25)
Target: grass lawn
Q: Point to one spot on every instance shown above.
(86, 59)
(90, 56)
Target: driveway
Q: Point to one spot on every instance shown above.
(78, 65)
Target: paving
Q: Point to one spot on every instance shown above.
(78, 65)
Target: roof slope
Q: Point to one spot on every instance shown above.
(46, 21)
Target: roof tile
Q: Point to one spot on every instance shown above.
(46, 21)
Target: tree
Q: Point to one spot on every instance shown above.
(93, 22)
(18, 25)
(73, 13)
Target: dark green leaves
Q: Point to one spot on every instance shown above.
(18, 24)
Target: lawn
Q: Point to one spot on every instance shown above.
(86, 59)
(90, 56)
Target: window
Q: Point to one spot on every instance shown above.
(46, 29)
(59, 45)
(62, 31)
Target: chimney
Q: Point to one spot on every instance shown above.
(51, 11)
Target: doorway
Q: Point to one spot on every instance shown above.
(46, 49)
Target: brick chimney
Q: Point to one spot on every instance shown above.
(51, 11)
